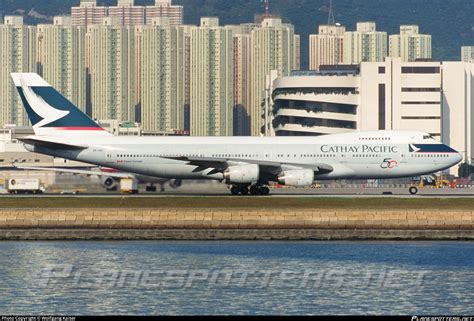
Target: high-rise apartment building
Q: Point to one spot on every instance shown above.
(187, 75)
(128, 13)
(297, 52)
(364, 44)
(110, 62)
(17, 52)
(242, 77)
(272, 48)
(242, 88)
(160, 61)
(89, 13)
(410, 45)
(326, 48)
(211, 85)
(164, 8)
(467, 53)
(60, 51)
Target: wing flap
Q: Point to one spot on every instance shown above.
(271, 167)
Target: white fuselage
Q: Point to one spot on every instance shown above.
(381, 154)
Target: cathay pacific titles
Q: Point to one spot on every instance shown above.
(359, 149)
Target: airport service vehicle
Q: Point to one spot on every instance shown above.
(431, 181)
(69, 192)
(129, 185)
(25, 186)
(248, 164)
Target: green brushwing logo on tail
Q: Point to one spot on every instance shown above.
(47, 108)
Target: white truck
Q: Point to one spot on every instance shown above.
(25, 186)
(129, 185)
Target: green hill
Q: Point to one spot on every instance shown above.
(450, 22)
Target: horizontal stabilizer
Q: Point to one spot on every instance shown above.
(90, 172)
(50, 144)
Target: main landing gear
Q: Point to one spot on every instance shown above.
(245, 189)
(150, 188)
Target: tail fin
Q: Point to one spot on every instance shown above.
(50, 112)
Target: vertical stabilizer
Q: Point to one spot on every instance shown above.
(50, 112)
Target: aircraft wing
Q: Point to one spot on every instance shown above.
(270, 167)
(77, 171)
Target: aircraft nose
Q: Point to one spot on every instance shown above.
(457, 158)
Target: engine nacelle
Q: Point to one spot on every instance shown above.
(109, 183)
(242, 174)
(297, 177)
(176, 183)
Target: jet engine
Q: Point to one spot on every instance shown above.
(242, 174)
(299, 177)
(176, 183)
(109, 183)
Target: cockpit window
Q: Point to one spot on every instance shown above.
(428, 137)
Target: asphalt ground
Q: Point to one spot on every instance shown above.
(213, 190)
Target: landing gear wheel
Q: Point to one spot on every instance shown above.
(265, 190)
(234, 190)
(413, 190)
(151, 189)
(244, 190)
(255, 190)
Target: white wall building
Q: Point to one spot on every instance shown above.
(434, 97)
(311, 103)
(119, 128)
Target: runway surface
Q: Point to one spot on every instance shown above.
(215, 190)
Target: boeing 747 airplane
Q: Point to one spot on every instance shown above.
(248, 164)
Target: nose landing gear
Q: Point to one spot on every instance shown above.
(413, 190)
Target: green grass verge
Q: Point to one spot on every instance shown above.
(240, 202)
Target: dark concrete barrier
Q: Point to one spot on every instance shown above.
(233, 234)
